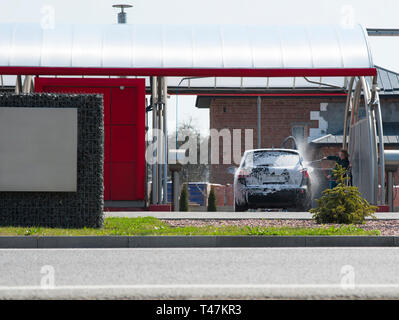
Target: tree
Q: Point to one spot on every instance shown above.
(193, 171)
(183, 201)
(212, 201)
(342, 204)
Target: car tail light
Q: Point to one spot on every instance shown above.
(305, 173)
(242, 173)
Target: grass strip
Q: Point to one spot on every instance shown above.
(151, 226)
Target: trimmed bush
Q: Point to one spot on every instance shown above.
(342, 204)
(212, 201)
(183, 201)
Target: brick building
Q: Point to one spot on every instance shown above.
(315, 118)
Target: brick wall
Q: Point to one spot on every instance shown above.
(224, 194)
(220, 195)
(278, 117)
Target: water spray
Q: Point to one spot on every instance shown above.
(293, 140)
(314, 161)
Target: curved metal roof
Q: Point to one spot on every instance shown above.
(184, 46)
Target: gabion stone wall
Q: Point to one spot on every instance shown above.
(83, 208)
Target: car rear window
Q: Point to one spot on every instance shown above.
(271, 158)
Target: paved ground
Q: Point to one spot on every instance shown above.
(231, 215)
(200, 273)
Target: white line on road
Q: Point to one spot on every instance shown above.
(202, 249)
(206, 286)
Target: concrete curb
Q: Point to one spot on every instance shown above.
(29, 242)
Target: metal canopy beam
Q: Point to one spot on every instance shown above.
(376, 32)
(191, 72)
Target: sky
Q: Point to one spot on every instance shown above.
(371, 14)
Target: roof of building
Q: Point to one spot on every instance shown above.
(391, 135)
(337, 139)
(388, 81)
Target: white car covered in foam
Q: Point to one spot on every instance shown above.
(272, 178)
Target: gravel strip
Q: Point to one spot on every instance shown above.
(386, 227)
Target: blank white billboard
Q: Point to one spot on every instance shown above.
(38, 149)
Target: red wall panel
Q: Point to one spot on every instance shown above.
(124, 130)
(107, 143)
(123, 143)
(122, 185)
(107, 174)
(123, 105)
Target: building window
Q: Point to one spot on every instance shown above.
(298, 132)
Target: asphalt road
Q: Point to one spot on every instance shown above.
(239, 273)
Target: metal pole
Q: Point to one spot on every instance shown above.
(381, 160)
(165, 146)
(146, 165)
(352, 132)
(354, 115)
(259, 122)
(159, 153)
(146, 146)
(18, 84)
(372, 140)
(175, 190)
(160, 139)
(27, 86)
(154, 127)
(347, 107)
(390, 190)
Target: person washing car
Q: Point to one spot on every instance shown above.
(341, 160)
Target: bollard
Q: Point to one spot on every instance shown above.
(175, 167)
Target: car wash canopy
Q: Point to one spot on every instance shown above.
(185, 50)
(209, 56)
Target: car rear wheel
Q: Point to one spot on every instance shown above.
(304, 207)
(300, 208)
(240, 208)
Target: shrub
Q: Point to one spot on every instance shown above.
(342, 204)
(183, 201)
(212, 201)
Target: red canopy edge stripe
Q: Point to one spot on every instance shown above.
(191, 72)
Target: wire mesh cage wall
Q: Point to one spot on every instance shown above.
(83, 208)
